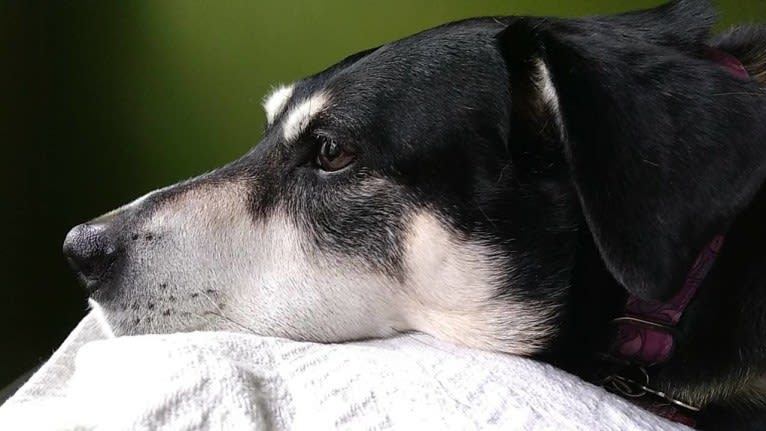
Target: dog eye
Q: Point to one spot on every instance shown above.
(332, 156)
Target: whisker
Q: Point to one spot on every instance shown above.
(220, 314)
(228, 319)
(412, 335)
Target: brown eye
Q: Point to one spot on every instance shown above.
(332, 157)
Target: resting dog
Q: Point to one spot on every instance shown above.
(504, 183)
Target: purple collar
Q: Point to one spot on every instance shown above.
(646, 337)
(645, 331)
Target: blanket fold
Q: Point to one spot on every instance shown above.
(228, 381)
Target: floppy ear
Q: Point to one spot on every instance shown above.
(663, 146)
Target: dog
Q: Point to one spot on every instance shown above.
(505, 183)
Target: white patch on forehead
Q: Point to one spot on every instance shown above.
(275, 102)
(453, 285)
(300, 116)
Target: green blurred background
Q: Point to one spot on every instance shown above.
(103, 101)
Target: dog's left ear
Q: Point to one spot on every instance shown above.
(663, 146)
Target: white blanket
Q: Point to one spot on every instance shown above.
(226, 381)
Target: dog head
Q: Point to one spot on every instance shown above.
(440, 183)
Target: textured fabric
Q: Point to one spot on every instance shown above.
(226, 381)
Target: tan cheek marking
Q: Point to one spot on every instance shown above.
(452, 293)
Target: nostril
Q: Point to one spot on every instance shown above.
(90, 252)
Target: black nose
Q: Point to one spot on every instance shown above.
(91, 253)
